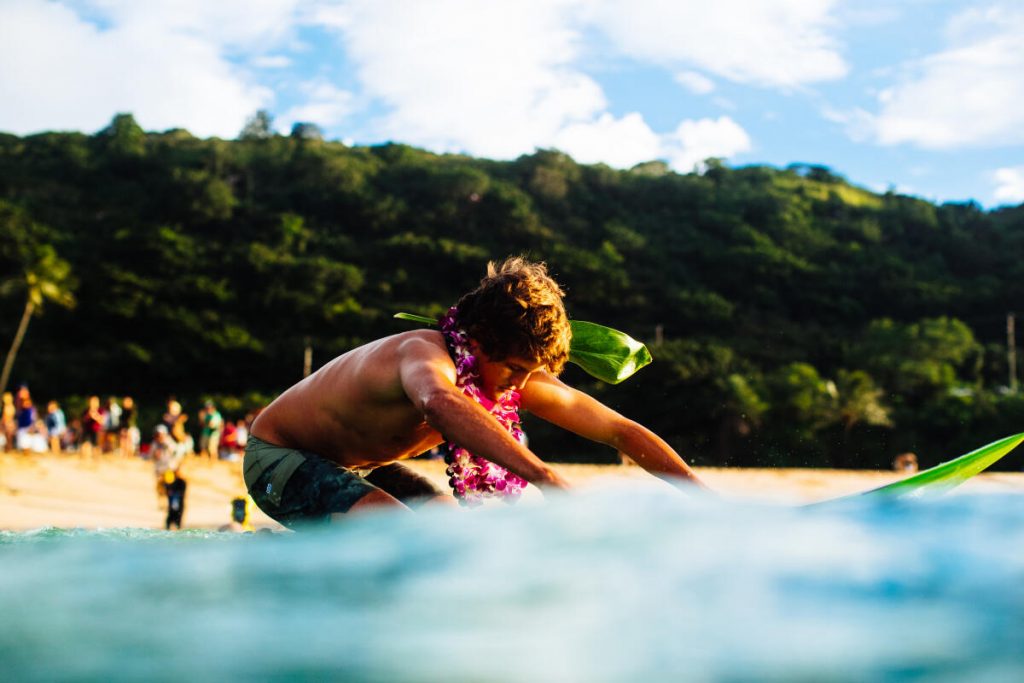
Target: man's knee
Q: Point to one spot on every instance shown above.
(403, 483)
(441, 500)
(372, 499)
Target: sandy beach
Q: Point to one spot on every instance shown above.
(68, 492)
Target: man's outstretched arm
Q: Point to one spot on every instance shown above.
(551, 399)
(428, 378)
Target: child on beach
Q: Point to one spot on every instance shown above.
(174, 488)
(92, 427)
(330, 444)
(239, 523)
(164, 452)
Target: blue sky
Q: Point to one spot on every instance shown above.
(921, 96)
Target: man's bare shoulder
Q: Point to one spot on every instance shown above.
(397, 346)
(420, 340)
(395, 355)
(412, 345)
(422, 347)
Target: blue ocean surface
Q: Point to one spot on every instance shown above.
(610, 585)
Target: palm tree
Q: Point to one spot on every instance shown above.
(858, 401)
(45, 277)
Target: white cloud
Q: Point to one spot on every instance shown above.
(967, 95)
(334, 15)
(859, 124)
(779, 44)
(729, 105)
(239, 24)
(857, 15)
(1009, 185)
(617, 142)
(326, 106)
(694, 141)
(271, 61)
(695, 82)
(162, 61)
(500, 79)
(628, 141)
(494, 79)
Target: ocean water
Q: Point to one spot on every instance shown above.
(610, 585)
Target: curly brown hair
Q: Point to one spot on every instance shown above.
(517, 311)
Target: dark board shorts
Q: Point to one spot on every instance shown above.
(299, 488)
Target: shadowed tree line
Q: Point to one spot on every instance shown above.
(794, 318)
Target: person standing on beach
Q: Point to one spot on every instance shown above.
(174, 488)
(128, 433)
(164, 452)
(10, 420)
(209, 437)
(25, 419)
(329, 445)
(92, 427)
(56, 426)
(171, 415)
(111, 425)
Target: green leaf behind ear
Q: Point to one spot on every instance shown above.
(609, 355)
(416, 318)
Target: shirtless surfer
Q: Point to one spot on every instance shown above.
(329, 445)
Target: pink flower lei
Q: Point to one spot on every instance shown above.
(473, 478)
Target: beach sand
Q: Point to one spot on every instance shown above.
(68, 492)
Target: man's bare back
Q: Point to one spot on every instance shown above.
(354, 410)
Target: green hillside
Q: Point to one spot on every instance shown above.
(794, 318)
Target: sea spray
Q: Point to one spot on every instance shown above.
(621, 584)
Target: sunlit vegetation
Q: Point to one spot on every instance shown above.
(794, 318)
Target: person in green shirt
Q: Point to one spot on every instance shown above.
(213, 425)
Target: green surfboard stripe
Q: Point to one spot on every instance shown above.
(948, 475)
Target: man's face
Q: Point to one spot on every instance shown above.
(499, 376)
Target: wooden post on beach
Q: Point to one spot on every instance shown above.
(1011, 351)
(307, 359)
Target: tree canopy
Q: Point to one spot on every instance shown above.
(802, 319)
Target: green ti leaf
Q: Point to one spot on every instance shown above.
(609, 355)
(416, 318)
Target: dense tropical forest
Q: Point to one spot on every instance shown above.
(794, 318)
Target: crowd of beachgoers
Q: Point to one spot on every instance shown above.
(111, 428)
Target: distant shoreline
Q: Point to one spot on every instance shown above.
(68, 492)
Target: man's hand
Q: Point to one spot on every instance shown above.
(554, 481)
